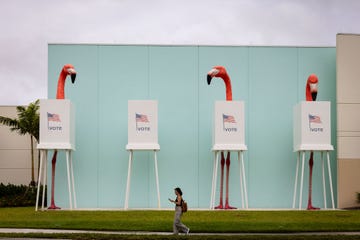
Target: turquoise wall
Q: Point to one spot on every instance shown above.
(270, 80)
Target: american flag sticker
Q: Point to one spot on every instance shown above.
(314, 119)
(141, 118)
(228, 119)
(52, 117)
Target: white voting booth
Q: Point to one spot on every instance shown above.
(57, 132)
(142, 135)
(312, 132)
(229, 135)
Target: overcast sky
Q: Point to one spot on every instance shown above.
(27, 26)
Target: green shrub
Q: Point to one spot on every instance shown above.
(18, 195)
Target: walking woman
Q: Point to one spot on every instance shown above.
(178, 225)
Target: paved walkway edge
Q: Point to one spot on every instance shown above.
(55, 231)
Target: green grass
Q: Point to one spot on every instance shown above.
(192, 237)
(198, 221)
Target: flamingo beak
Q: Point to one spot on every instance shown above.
(73, 76)
(72, 73)
(313, 90)
(212, 73)
(313, 95)
(209, 77)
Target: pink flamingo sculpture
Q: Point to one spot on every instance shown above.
(220, 71)
(311, 93)
(68, 69)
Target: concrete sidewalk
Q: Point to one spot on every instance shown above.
(57, 231)
(54, 231)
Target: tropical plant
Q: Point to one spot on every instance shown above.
(26, 123)
(19, 195)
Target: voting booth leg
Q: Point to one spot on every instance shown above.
(39, 181)
(43, 174)
(323, 177)
(301, 155)
(69, 181)
(45, 178)
(241, 182)
(72, 179)
(157, 178)
(43, 154)
(243, 189)
(214, 180)
(212, 183)
(302, 177)
(70, 175)
(330, 180)
(216, 166)
(128, 181)
(296, 178)
(126, 205)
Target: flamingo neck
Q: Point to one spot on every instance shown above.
(60, 94)
(228, 88)
(308, 93)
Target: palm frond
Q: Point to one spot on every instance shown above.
(10, 122)
(27, 123)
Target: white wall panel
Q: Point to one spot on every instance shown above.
(349, 117)
(348, 147)
(348, 70)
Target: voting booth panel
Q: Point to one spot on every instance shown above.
(142, 135)
(57, 132)
(312, 126)
(57, 124)
(312, 132)
(229, 126)
(229, 135)
(142, 124)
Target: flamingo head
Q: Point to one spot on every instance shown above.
(217, 71)
(312, 87)
(69, 69)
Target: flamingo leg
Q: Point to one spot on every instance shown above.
(227, 206)
(221, 206)
(53, 163)
(311, 164)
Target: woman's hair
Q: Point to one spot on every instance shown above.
(178, 190)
